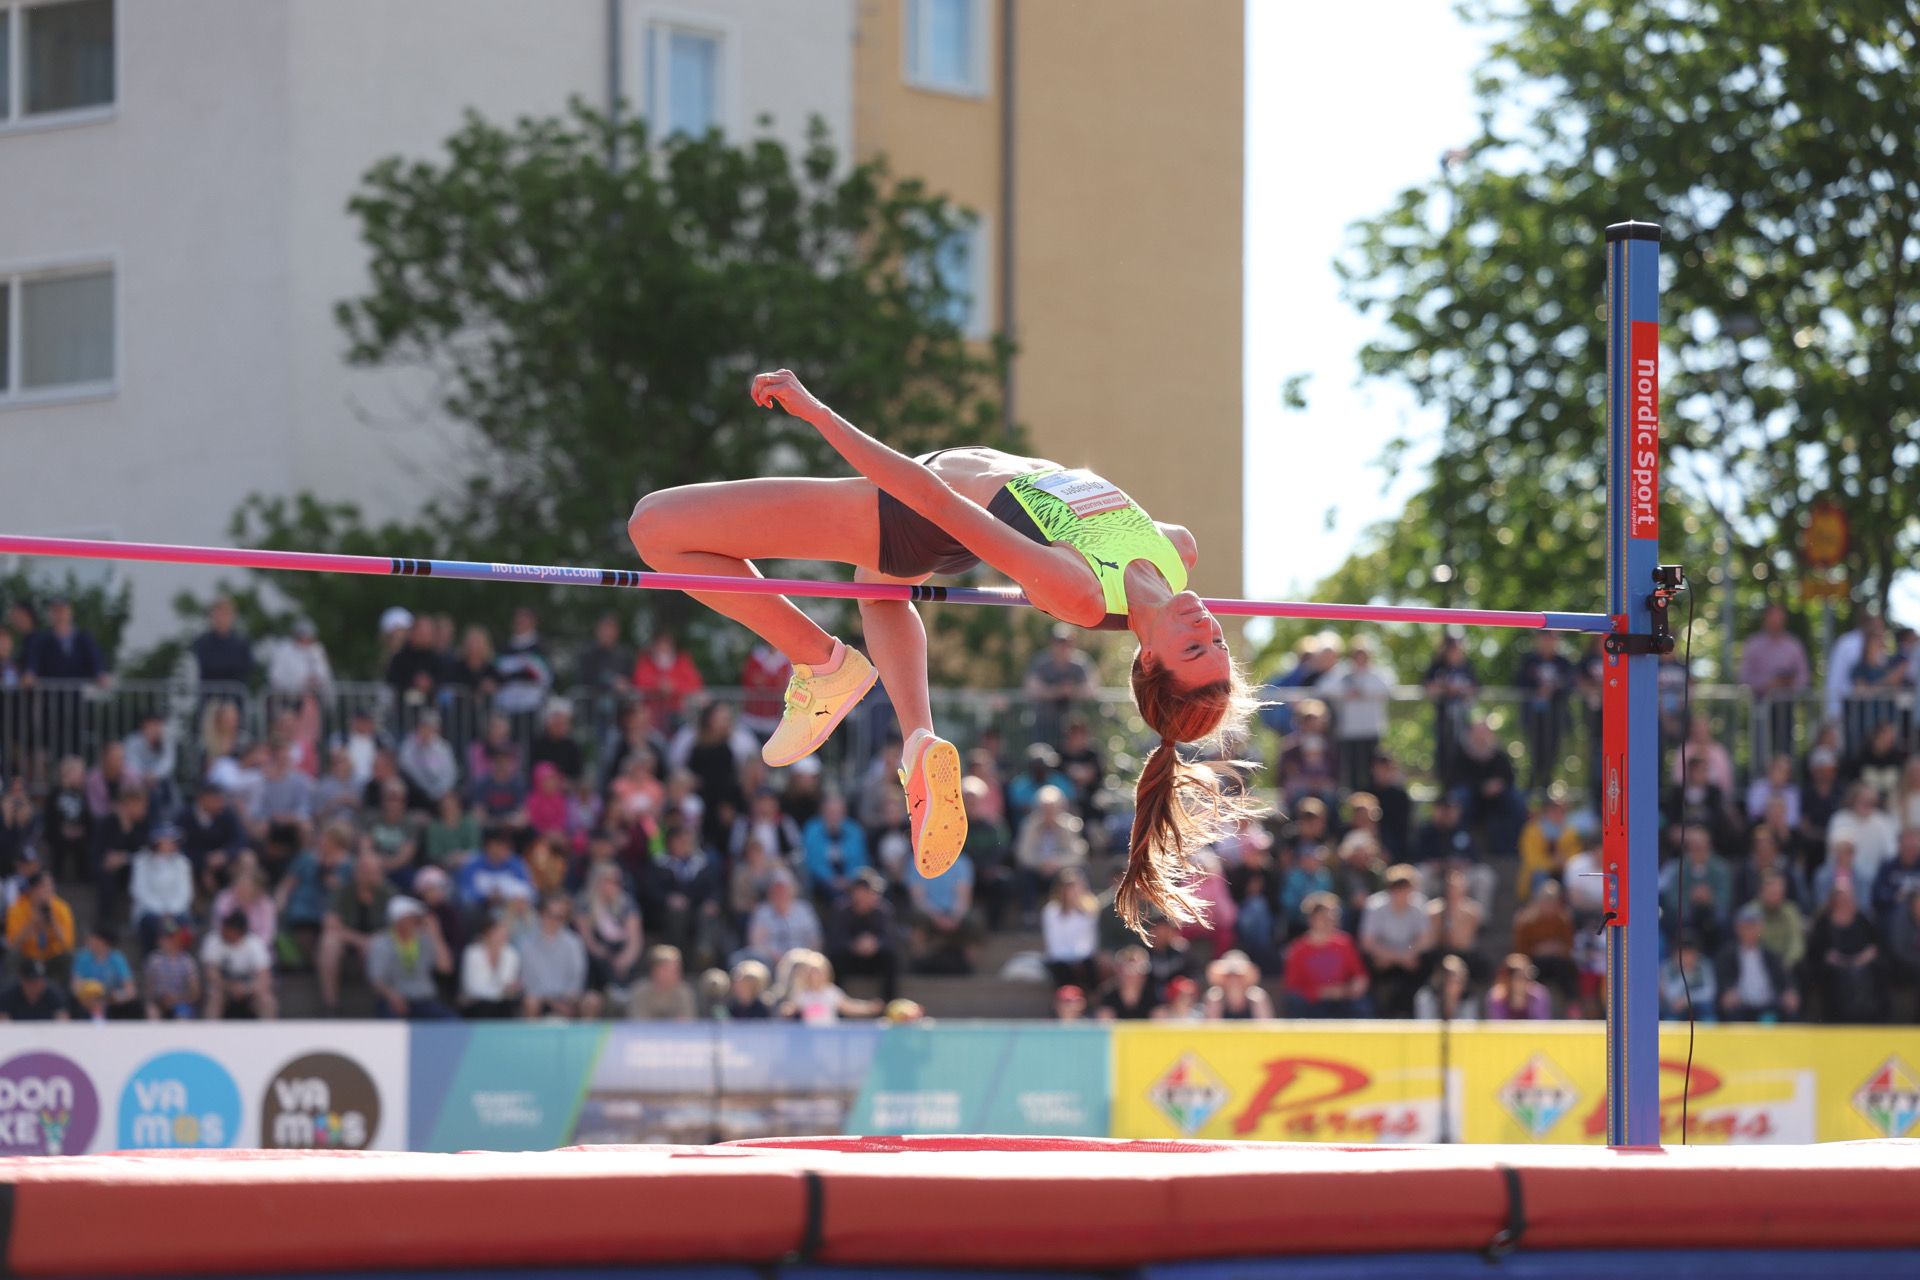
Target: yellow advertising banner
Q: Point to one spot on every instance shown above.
(1382, 1082)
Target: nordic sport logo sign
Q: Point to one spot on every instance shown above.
(542, 572)
(323, 1101)
(48, 1106)
(1643, 431)
(179, 1099)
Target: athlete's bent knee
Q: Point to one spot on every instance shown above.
(649, 527)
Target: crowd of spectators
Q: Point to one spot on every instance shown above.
(471, 844)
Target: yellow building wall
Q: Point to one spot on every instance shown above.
(1129, 133)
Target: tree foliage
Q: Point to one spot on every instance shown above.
(1778, 144)
(591, 302)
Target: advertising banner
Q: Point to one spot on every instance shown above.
(1034, 1078)
(71, 1088)
(1514, 1083)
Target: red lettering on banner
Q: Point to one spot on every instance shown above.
(1334, 1080)
(1643, 424)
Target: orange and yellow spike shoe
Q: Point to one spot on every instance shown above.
(934, 805)
(816, 704)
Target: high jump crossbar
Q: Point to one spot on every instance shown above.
(564, 575)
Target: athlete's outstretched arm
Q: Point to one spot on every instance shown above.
(1055, 584)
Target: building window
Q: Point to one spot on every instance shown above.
(947, 45)
(56, 58)
(960, 263)
(56, 332)
(687, 85)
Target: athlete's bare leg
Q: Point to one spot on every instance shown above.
(722, 528)
(897, 643)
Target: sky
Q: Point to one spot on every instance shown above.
(1331, 137)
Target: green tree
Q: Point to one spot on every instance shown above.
(592, 302)
(1778, 144)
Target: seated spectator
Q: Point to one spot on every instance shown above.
(747, 992)
(1764, 858)
(836, 849)
(890, 834)
(1906, 800)
(1233, 989)
(285, 806)
(238, 969)
(210, 833)
(547, 865)
(778, 834)
(1778, 784)
(1696, 889)
(393, 833)
(752, 872)
(809, 996)
(485, 880)
(989, 848)
(1899, 876)
(1483, 777)
(1183, 1002)
(865, 940)
(152, 758)
(1129, 996)
(161, 885)
(1446, 996)
(170, 980)
(1877, 762)
(784, 922)
(1903, 947)
(243, 776)
(315, 876)
(247, 894)
(1783, 927)
(1393, 937)
(1546, 842)
(1843, 960)
(1840, 871)
(555, 744)
(103, 982)
(116, 838)
(405, 960)
(1543, 933)
(804, 793)
(453, 836)
(1754, 983)
(1359, 872)
(1069, 931)
(945, 927)
(610, 928)
(1516, 995)
(40, 926)
(1442, 841)
(34, 997)
(427, 763)
(553, 966)
(66, 824)
(1687, 984)
(1388, 788)
(1309, 878)
(434, 888)
(1171, 954)
(490, 972)
(336, 795)
(683, 896)
(1454, 920)
(1701, 745)
(1325, 976)
(500, 794)
(637, 796)
(1259, 933)
(1868, 828)
(298, 668)
(106, 778)
(357, 913)
(715, 749)
(665, 995)
(17, 818)
(1069, 1004)
(665, 678)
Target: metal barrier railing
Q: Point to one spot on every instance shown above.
(41, 723)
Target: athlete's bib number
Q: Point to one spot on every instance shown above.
(1085, 493)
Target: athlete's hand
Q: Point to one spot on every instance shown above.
(783, 387)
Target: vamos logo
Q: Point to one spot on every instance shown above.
(47, 1106)
(321, 1100)
(180, 1099)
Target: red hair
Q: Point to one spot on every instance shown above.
(1179, 808)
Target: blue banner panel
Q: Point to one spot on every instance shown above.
(1042, 1078)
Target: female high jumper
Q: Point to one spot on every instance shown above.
(1079, 548)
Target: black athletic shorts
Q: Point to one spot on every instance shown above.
(912, 546)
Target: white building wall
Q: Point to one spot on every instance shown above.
(219, 188)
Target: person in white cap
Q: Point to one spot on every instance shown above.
(404, 959)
